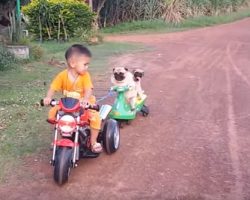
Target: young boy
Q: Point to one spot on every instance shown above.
(75, 82)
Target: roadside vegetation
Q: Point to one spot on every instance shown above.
(170, 11)
(159, 25)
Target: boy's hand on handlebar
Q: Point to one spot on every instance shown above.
(47, 101)
(84, 103)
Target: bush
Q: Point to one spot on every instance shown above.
(88, 36)
(7, 59)
(57, 19)
(36, 52)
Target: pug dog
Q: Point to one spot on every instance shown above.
(123, 77)
(138, 74)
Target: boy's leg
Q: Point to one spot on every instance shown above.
(52, 113)
(94, 136)
(95, 126)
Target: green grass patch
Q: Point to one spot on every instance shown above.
(23, 129)
(162, 26)
(100, 52)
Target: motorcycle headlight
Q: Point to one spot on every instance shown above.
(67, 124)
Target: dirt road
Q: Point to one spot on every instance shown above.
(195, 144)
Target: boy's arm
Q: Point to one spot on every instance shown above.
(88, 89)
(56, 85)
(88, 94)
(49, 96)
(85, 100)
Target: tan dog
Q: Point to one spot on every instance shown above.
(138, 74)
(122, 77)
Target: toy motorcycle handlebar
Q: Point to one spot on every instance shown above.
(93, 107)
(52, 103)
(56, 102)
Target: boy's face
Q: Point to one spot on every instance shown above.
(79, 63)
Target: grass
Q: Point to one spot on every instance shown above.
(23, 130)
(100, 52)
(162, 26)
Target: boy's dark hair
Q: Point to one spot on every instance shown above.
(79, 49)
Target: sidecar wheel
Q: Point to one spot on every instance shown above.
(144, 111)
(111, 136)
(121, 124)
(62, 165)
(128, 122)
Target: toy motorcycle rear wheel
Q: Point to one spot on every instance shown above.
(111, 136)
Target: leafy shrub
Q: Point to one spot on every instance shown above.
(88, 36)
(7, 59)
(36, 52)
(57, 19)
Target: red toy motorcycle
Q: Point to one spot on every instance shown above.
(72, 137)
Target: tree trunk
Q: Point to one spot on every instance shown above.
(100, 6)
(91, 5)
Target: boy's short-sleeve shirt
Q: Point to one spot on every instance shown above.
(70, 89)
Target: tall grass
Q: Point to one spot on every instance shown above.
(117, 11)
(160, 25)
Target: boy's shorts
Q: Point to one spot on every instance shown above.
(95, 119)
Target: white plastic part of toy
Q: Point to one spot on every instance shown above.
(104, 111)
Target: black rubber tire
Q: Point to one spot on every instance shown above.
(62, 164)
(121, 124)
(111, 136)
(145, 110)
(128, 122)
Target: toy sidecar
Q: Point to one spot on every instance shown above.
(121, 109)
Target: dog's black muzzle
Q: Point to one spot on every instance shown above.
(119, 76)
(138, 75)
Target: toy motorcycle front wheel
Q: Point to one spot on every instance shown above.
(111, 136)
(62, 165)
